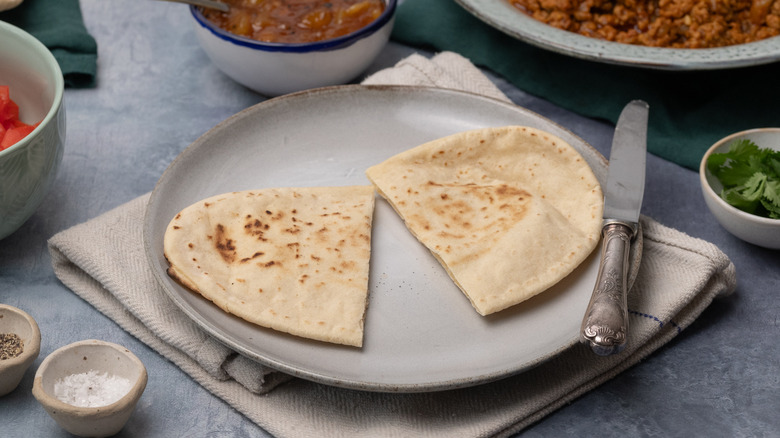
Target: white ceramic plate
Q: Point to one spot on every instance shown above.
(506, 18)
(421, 333)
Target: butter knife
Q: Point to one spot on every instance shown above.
(605, 325)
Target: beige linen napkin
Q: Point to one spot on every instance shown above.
(678, 278)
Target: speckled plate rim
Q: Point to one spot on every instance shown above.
(504, 17)
(421, 332)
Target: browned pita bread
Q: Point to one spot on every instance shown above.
(507, 211)
(291, 259)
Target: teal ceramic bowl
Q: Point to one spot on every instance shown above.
(28, 168)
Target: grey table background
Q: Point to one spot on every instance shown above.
(157, 92)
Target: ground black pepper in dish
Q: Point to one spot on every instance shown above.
(11, 345)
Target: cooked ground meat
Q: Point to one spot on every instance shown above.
(688, 24)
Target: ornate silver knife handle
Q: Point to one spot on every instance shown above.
(605, 324)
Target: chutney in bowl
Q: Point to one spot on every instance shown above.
(285, 49)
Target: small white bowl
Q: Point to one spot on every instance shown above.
(28, 168)
(751, 228)
(273, 69)
(13, 320)
(82, 357)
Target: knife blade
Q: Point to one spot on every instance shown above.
(605, 325)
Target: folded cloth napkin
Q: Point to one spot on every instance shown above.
(690, 109)
(58, 24)
(678, 278)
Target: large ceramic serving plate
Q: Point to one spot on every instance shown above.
(421, 333)
(506, 18)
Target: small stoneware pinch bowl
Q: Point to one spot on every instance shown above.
(15, 321)
(82, 358)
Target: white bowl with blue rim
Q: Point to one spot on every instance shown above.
(273, 69)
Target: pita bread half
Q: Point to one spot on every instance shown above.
(507, 211)
(291, 259)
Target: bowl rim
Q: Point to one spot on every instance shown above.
(30, 352)
(59, 86)
(329, 44)
(129, 399)
(703, 172)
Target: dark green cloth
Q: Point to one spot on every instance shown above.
(58, 24)
(689, 110)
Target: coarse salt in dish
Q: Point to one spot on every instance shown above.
(91, 389)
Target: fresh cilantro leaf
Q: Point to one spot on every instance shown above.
(750, 176)
(774, 163)
(771, 199)
(772, 192)
(772, 211)
(735, 166)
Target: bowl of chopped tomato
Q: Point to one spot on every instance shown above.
(32, 125)
(276, 48)
(740, 180)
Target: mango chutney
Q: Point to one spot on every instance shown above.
(295, 21)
